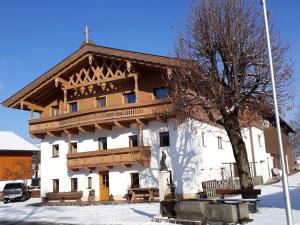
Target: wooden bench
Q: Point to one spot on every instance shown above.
(249, 192)
(143, 193)
(62, 196)
(252, 202)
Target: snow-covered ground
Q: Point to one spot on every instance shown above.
(271, 210)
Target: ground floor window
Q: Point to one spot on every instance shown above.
(135, 180)
(55, 185)
(89, 183)
(74, 184)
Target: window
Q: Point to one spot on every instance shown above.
(259, 141)
(164, 139)
(102, 102)
(73, 147)
(220, 144)
(135, 180)
(160, 93)
(203, 139)
(74, 184)
(73, 107)
(129, 97)
(55, 150)
(103, 143)
(133, 141)
(89, 183)
(55, 185)
(55, 110)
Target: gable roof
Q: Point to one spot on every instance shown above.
(11, 141)
(88, 48)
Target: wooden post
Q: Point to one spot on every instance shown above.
(69, 143)
(136, 86)
(65, 100)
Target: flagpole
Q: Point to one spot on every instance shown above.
(285, 184)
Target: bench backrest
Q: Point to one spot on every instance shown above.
(75, 194)
(238, 191)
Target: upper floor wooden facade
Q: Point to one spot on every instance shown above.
(96, 88)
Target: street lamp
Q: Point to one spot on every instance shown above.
(285, 184)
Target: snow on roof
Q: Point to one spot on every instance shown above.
(11, 141)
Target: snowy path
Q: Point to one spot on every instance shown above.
(271, 210)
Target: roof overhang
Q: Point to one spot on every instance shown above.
(80, 55)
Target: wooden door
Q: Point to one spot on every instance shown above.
(104, 185)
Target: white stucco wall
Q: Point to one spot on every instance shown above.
(190, 161)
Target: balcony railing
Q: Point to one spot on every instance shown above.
(109, 158)
(128, 112)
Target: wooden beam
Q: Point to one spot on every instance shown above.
(71, 131)
(127, 165)
(91, 167)
(39, 136)
(62, 81)
(103, 126)
(32, 106)
(86, 129)
(54, 133)
(142, 121)
(122, 124)
(162, 119)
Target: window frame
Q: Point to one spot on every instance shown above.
(74, 184)
(156, 97)
(55, 185)
(102, 138)
(55, 110)
(220, 142)
(135, 176)
(71, 106)
(72, 143)
(55, 152)
(89, 183)
(131, 141)
(162, 139)
(99, 99)
(125, 97)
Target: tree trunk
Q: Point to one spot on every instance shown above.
(233, 129)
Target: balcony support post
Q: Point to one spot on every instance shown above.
(69, 143)
(65, 100)
(136, 86)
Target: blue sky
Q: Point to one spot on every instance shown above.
(36, 35)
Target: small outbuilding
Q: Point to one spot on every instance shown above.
(18, 159)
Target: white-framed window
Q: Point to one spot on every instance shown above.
(220, 142)
(55, 150)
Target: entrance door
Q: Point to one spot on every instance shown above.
(104, 185)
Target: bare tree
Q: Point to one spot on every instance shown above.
(222, 75)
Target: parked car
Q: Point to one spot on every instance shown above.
(15, 191)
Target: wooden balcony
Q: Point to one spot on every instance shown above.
(106, 159)
(100, 118)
